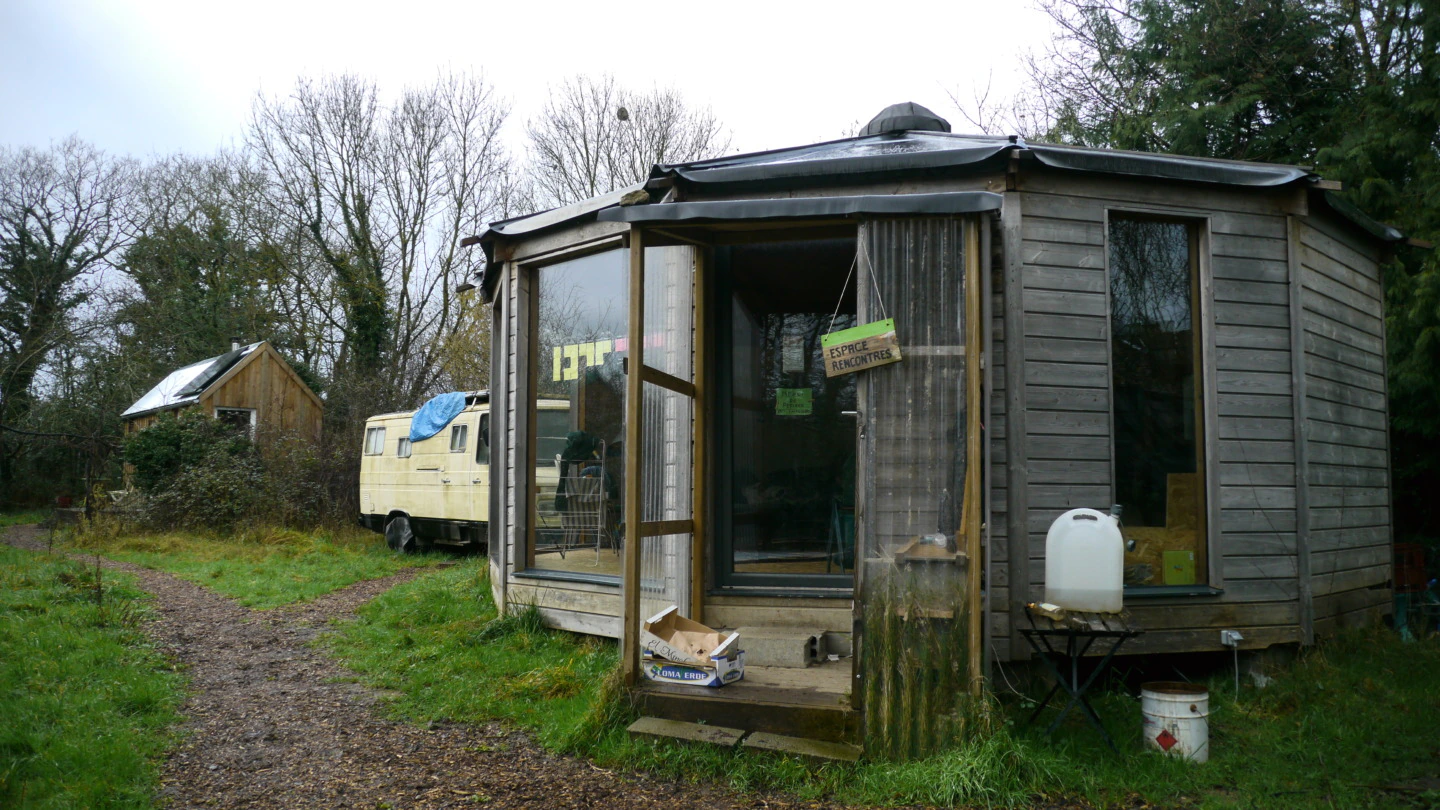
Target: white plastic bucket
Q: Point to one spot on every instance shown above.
(1176, 719)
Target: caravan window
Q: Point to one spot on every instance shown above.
(458, 435)
(482, 440)
(374, 441)
(402, 447)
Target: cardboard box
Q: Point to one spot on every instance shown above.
(673, 637)
(724, 670)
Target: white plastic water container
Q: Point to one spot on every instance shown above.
(1176, 718)
(1085, 562)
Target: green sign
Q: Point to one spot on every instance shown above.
(860, 347)
(793, 402)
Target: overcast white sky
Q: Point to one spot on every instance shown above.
(150, 77)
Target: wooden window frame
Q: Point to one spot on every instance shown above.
(528, 348)
(1199, 226)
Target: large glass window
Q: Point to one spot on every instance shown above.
(1158, 399)
(581, 317)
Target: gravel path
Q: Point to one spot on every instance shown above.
(272, 722)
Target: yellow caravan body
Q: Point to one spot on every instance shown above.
(436, 490)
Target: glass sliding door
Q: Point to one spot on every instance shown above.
(786, 433)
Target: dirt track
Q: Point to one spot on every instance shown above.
(268, 725)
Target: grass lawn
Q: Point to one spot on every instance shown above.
(23, 516)
(1348, 721)
(261, 568)
(84, 700)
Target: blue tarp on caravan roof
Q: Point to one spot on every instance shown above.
(434, 415)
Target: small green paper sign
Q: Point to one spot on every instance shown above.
(860, 347)
(793, 402)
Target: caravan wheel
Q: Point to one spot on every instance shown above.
(398, 535)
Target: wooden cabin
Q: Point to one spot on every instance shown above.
(1199, 341)
(250, 385)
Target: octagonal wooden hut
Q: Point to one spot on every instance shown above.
(1200, 341)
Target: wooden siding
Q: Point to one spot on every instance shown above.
(266, 383)
(1347, 446)
(1065, 391)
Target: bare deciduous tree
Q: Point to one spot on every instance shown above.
(594, 136)
(379, 196)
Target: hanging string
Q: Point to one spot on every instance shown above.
(841, 302)
(874, 280)
(874, 283)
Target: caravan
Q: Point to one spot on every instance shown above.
(436, 490)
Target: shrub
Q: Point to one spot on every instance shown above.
(194, 472)
(175, 445)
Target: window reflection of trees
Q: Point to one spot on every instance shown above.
(1150, 311)
(1153, 363)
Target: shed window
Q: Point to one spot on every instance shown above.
(402, 447)
(374, 441)
(458, 437)
(242, 419)
(1157, 399)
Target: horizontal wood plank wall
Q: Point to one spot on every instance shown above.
(1347, 439)
(1067, 399)
(500, 470)
(515, 523)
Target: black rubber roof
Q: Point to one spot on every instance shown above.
(955, 202)
(890, 152)
(916, 150)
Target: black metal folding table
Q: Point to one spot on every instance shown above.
(1079, 631)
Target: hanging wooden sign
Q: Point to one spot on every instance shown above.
(857, 348)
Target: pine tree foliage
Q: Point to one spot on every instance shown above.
(1351, 87)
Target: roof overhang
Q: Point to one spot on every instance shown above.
(798, 208)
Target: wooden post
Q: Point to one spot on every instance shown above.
(1017, 474)
(634, 393)
(1302, 444)
(972, 495)
(700, 430)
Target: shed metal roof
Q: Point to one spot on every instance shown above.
(185, 386)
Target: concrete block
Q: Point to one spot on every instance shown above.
(680, 731)
(816, 752)
(793, 647)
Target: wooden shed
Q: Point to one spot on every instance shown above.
(1200, 341)
(250, 385)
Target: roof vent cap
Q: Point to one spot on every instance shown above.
(900, 117)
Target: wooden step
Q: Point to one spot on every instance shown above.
(677, 731)
(812, 703)
(813, 752)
